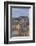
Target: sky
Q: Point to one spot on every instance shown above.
(16, 12)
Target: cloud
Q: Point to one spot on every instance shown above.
(16, 12)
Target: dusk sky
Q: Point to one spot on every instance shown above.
(16, 12)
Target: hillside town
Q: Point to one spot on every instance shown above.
(20, 26)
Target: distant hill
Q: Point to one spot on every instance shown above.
(19, 18)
